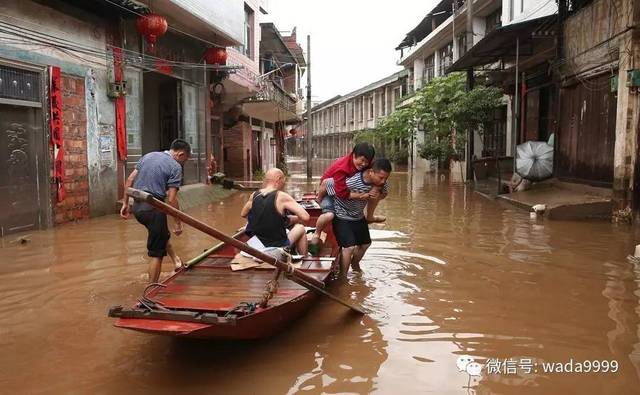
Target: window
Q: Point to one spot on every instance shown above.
(247, 39)
(361, 109)
(396, 95)
(383, 102)
(511, 5)
(446, 58)
(353, 111)
(344, 114)
(429, 69)
(492, 22)
(371, 107)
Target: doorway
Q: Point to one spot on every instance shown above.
(21, 147)
(160, 112)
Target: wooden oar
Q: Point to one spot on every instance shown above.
(296, 275)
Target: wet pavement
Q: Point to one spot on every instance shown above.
(450, 274)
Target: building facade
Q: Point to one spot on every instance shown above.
(442, 42)
(335, 122)
(84, 93)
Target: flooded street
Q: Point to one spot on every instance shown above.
(449, 274)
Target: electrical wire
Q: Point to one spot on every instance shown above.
(169, 26)
(129, 57)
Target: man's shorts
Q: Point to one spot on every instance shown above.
(328, 204)
(351, 233)
(156, 224)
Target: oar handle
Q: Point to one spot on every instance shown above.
(139, 195)
(189, 220)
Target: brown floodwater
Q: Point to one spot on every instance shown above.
(450, 274)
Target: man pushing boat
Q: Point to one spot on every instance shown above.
(268, 221)
(160, 174)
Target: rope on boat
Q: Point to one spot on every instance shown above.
(247, 306)
(149, 303)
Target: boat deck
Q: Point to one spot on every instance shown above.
(211, 285)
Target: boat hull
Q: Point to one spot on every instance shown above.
(219, 303)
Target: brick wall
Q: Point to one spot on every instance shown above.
(76, 179)
(237, 141)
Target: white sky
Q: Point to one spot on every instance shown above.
(352, 41)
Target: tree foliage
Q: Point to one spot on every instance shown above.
(445, 111)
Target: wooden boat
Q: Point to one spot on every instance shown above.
(209, 300)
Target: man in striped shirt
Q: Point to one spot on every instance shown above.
(350, 225)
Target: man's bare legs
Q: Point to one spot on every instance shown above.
(358, 253)
(155, 266)
(351, 257)
(372, 204)
(297, 236)
(177, 262)
(346, 255)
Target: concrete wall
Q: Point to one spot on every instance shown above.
(514, 11)
(227, 16)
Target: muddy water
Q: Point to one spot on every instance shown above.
(449, 274)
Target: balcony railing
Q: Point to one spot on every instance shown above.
(269, 91)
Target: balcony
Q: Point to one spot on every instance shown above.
(273, 104)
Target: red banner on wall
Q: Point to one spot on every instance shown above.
(121, 108)
(55, 119)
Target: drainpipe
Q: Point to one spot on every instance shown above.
(516, 108)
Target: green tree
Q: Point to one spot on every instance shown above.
(445, 110)
(436, 108)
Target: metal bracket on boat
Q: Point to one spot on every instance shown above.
(173, 315)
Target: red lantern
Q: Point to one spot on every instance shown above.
(152, 27)
(216, 55)
(293, 132)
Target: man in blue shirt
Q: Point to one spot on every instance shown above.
(160, 174)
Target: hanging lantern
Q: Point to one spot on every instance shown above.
(152, 27)
(216, 55)
(293, 132)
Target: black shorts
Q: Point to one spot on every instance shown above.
(351, 233)
(156, 224)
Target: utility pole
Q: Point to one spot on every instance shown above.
(308, 134)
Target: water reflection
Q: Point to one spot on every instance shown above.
(449, 274)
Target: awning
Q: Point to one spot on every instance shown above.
(269, 111)
(500, 44)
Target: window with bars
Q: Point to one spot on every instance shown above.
(371, 107)
(383, 103)
(247, 39)
(19, 84)
(361, 108)
(446, 58)
(429, 69)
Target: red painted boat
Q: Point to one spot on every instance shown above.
(209, 300)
